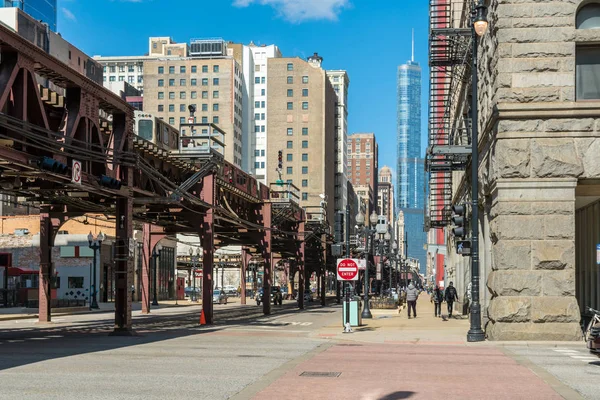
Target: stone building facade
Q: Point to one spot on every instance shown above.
(539, 140)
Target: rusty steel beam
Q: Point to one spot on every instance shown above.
(267, 256)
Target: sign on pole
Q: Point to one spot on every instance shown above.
(76, 172)
(362, 264)
(347, 269)
(598, 254)
(198, 274)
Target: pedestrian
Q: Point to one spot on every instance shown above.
(451, 295)
(412, 294)
(437, 298)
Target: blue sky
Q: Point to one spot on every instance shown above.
(368, 38)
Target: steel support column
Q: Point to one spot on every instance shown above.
(245, 261)
(124, 265)
(300, 262)
(46, 243)
(267, 256)
(207, 237)
(149, 241)
(323, 269)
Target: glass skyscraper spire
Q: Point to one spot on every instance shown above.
(410, 169)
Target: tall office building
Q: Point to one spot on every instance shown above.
(41, 10)
(340, 81)
(301, 124)
(410, 180)
(363, 168)
(385, 195)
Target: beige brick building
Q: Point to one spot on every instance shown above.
(363, 156)
(301, 123)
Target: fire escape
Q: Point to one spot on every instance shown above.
(449, 123)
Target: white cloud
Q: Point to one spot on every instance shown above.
(301, 10)
(68, 14)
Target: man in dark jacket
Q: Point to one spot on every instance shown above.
(437, 298)
(451, 295)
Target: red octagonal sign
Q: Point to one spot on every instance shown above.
(347, 269)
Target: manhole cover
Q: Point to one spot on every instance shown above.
(321, 374)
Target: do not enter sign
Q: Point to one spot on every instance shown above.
(347, 269)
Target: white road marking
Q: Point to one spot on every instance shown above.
(54, 336)
(584, 358)
(566, 351)
(38, 338)
(265, 330)
(16, 341)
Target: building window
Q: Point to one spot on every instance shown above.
(161, 70)
(182, 82)
(215, 68)
(161, 95)
(182, 69)
(194, 82)
(256, 164)
(216, 81)
(204, 81)
(171, 82)
(262, 116)
(182, 120)
(290, 144)
(75, 282)
(194, 95)
(290, 131)
(263, 92)
(262, 80)
(262, 153)
(215, 94)
(171, 95)
(121, 78)
(171, 107)
(290, 79)
(205, 68)
(256, 153)
(205, 95)
(304, 131)
(587, 72)
(215, 120)
(304, 170)
(289, 170)
(171, 69)
(290, 67)
(304, 92)
(257, 80)
(216, 107)
(112, 69)
(304, 196)
(257, 117)
(112, 78)
(257, 104)
(305, 144)
(290, 93)
(204, 107)
(304, 182)
(290, 105)
(171, 120)
(121, 67)
(256, 128)
(194, 69)
(182, 95)
(161, 108)
(263, 104)
(262, 128)
(305, 157)
(205, 120)
(290, 157)
(305, 79)
(305, 105)
(182, 108)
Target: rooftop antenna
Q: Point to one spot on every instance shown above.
(412, 58)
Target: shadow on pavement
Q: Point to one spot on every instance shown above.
(397, 395)
(28, 345)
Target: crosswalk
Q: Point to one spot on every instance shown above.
(577, 355)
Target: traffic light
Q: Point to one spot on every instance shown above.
(50, 164)
(463, 247)
(280, 159)
(459, 220)
(339, 227)
(110, 183)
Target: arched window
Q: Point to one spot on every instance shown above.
(587, 57)
(588, 17)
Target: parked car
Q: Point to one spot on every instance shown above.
(189, 290)
(219, 296)
(276, 296)
(231, 290)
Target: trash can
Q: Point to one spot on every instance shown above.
(355, 311)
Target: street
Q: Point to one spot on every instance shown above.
(289, 354)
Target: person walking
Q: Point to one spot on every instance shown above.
(437, 298)
(451, 295)
(412, 294)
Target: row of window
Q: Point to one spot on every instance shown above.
(193, 95)
(183, 107)
(290, 93)
(290, 144)
(183, 82)
(290, 157)
(290, 80)
(130, 79)
(130, 68)
(182, 120)
(290, 170)
(290, 105)
(182, 69)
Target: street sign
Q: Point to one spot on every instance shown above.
(76, 172)
(347, 269)
(198, 274)
(362, 264)
(598, 254)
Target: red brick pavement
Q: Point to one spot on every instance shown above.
(404, 371)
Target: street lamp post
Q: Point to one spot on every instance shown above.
(95, 245)
(369, 232)
(395, 251)
(194, 260)
(155, 255)
(479, 26)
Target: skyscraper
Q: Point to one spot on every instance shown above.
(410, 176)
(41, 10)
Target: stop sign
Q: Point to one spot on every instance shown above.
(347, 269)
